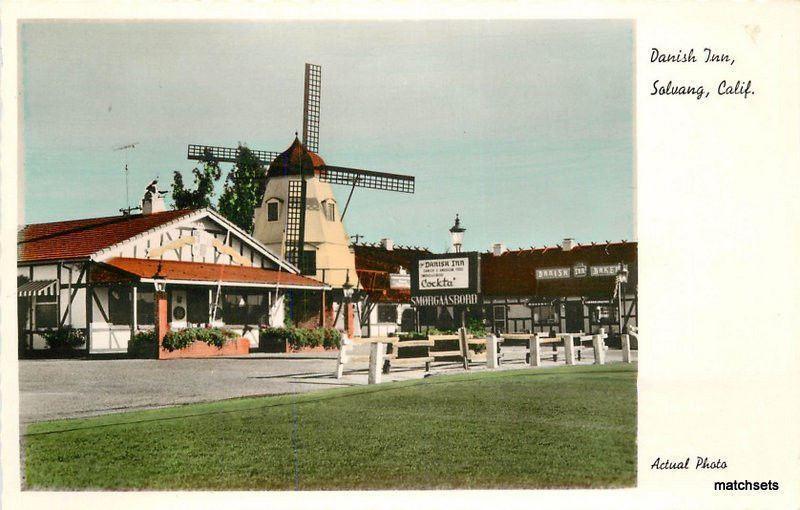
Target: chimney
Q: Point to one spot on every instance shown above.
(387, 243)
(498, 249)
(568, 244)
(153, 200)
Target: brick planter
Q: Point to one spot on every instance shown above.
(282, 346)
(198, 349)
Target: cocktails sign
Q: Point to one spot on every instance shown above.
(447, 279)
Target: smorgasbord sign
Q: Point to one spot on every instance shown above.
(445, 280)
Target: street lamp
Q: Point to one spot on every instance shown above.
(457, 235)
(622, 277)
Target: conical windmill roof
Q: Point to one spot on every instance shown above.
(289, 161)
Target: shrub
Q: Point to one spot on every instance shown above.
(183, 338)
(65, 339)
(297, 338)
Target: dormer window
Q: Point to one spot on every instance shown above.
(329, 209)
(273, 209)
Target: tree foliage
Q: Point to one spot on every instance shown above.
(203, 193)
(240, 196)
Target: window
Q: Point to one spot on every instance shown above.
(309, 263)
(604, 314)
(245, 308)
(272, 210)
(119, 306)
(544, 314)
(387, 313)
(145, 311)
(329, 209)
(46, 312)
(197, 306)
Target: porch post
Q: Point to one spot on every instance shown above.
(322, 309)
(160, 316)
(134, 308)
(89, 290)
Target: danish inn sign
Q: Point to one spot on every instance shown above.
(445, 280)
(577, 271)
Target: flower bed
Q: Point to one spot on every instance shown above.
(293, 339)
(188, 343)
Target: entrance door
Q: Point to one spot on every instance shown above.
(573, 316)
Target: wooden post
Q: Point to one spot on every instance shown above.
(491, 351)
(160, 316)
(535, 351)
(343, 346)
(599, 350)
(134, 309)
(626, 348)
(569, 348)
(377, 353)
(89, 290)
(462, 341)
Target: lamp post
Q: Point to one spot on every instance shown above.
(457, 235)
(622, 277)
(347, 294)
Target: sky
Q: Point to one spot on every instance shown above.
(523, 128)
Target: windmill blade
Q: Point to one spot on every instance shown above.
(367, 179)
(227, 154)
(311, 98)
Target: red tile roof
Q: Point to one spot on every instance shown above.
(197, 271)
(514, 272)
(78, 239)
(373, 265)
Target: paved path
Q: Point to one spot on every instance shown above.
(76, 388)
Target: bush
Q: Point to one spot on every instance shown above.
(297, 338)
(65, 339)
(183, 338)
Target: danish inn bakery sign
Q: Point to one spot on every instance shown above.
(577, 271)
(446, 280)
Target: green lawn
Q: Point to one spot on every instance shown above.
(534, 428)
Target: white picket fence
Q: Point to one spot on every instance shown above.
(380, 362)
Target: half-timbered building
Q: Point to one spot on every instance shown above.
(99, 275)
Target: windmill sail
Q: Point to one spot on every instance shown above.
(367, 179)
(311, 102)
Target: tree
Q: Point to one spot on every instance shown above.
(203, 193)
(241, 196)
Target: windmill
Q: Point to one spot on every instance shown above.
(286, 198)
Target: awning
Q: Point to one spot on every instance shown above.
(37, 288)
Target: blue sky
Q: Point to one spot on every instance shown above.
(524, 128)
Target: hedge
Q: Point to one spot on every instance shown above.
(297, 338)
(180, 339)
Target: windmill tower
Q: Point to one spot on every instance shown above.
(298, 216)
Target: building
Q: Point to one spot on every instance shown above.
(567, 288)
(99, 275)
(385, 304)
(563, 289)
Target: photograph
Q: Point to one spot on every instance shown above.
(332, 255)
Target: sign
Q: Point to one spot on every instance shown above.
(445, 280)
(579, 270)
(552, 273)
(606, 270)
(399, 281)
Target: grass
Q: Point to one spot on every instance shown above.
(533, 428)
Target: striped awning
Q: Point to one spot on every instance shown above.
(37, 288)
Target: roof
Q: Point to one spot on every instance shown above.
(374, 263)
(78, 239)
(200, 272)
(289, 161)
(514, 272)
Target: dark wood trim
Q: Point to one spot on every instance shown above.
(100, 307)
(73, 294)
